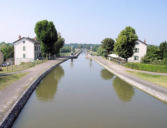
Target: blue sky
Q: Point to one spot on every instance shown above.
(85, 21)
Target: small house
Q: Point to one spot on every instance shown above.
(26, 50)
(140, 51)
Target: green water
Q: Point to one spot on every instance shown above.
(82, 94)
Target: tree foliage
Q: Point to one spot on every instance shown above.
(46, 33)
(153, 54)
(65, 49)
(7, 49)
(163, 49)
(59, 44)
(101, 52)
(108, 44)
(125, 42)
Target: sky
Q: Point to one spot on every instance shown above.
(85, 21)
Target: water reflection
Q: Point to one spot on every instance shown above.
(106, 75)
(124, 90)
(72, 64)
(90, 63)
(48, 87)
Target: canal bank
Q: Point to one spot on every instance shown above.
(148, 87)
(83, 94)
(14, 97)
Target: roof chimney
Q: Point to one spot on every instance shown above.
(145, 41)
(19, 36)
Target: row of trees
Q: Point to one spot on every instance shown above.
(51, 41)
(123, 46)
(156, 54)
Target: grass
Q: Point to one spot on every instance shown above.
(147, 67)
(157, 79)
(7, 80)
(23, 66)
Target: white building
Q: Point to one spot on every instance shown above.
(26, 50)
(139, 51)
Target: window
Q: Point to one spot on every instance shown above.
(24, 55)
(137, 43)
(24, 48)
(136, 58)
(136, 50)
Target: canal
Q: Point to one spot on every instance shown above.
(82, 94)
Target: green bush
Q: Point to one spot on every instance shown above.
(147, 67)
(101, 52)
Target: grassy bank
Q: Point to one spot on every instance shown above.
(147, 67)
(23, 66)
(7, 80)
(157, 79)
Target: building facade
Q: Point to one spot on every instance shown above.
(26, 50)
(139, 51)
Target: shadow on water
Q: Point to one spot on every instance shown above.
(48, 87)
(106, 75)
(124, 91)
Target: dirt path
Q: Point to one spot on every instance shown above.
(10, 94)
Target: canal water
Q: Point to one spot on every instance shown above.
(82, 94)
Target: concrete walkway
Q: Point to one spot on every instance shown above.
(120, 71)
(10, 94)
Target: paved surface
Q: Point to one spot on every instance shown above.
(151, 88)
(10, 94)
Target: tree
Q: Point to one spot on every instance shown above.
(59, 44)
(163, 49)
(46, 33)
(125, 42)
(95, 47)
(7, 49)
(65, 49)
(108, 44)
(153, 54)
(101, 52)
